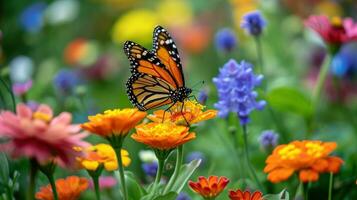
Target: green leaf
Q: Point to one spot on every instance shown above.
(185, 173)
(168, 196)
(289, 99)
(283, 195)
(135, 190)
(4, 168)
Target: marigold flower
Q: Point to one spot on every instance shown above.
(209, 188)
(162, 136)
(190, 112)
(39, 135)
(102, 154)
(308, 157)
(335, 31)
(69, 188)
(245, 195)
(114, 122)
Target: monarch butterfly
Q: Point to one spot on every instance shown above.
(157, 78)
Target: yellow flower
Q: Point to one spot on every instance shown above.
(175, 13)
(162, 136)
(242, 7)
(191, 112)
(102, 154)
(114, 122)
(136, 25)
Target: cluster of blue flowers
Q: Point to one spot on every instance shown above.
(253, 23)
(235, 84)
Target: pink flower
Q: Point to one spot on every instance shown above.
(105, 182)
(39, 136)
(335, 31)
(21, 88)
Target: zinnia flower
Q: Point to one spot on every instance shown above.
(190, 113)
(209, 188)
(67, 189)
(162, 136)
(245, 195)
(226, 40)
(102, 154)
(335, 31)
(309, 158)
(235, 84)
(40, 136)
(253, 23)
(114, 122)
(105, 182)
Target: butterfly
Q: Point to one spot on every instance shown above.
(156, 75)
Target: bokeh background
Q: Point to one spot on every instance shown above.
(72, 53)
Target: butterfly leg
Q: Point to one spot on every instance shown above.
(167, 109)
(183, 115)
(194, 97)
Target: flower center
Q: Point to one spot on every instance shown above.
(314, 149)
(42, 116)
(289, 152)
(336, 22)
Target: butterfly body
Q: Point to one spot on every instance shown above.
(157, 78)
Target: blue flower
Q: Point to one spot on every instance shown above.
(202, 96)
(183, 196)
(235, 84)
(344, 64)
(31, 18)
(226, 40)
(268, 139)
(150, 168)
(253, 23)
(66, 80)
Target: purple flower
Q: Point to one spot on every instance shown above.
(31, 18)
(344, 64)
(20, 89)
(150, 168)
(105, 182)
(253, 23)
(65, 81)
(183, 196)
(196, 155)
(33, 105)
(268, 139)
(226, 40)
(235, 84)
(202, 96)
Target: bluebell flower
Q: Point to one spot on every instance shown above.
(268, 139)
(31, 18)
(202, 96)
(196, 155)
(150, 168)
(226, 40)
(235, 84)
(183, 196)
(253, 23)
(66, 80)
(344, 63)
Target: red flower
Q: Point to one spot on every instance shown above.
(335, 31)
(245, 195)
(209, 188)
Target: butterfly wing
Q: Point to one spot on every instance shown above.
(144, 61)
(148, 92)
(166, 50)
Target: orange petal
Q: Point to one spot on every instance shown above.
(308, 175)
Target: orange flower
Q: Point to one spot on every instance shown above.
(114, 122)
(102, 154)
(162, 136)
(245, 195)
(308, 157)
(67, 189)
(209, 188)
(178, 114)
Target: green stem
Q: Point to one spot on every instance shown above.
(234, 133)
(306, 191)
(33, 173)
(177, 170)
(246, 153)
(53, 185)
(96, 186)
(121, 173)
(330, 186)
(11, 93)
(158, 175)
(321, 80)
(259, 54)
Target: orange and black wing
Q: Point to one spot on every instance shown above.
(145, 62)
(166, 50)
(148, 92)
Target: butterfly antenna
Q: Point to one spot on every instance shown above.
(200, 83)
